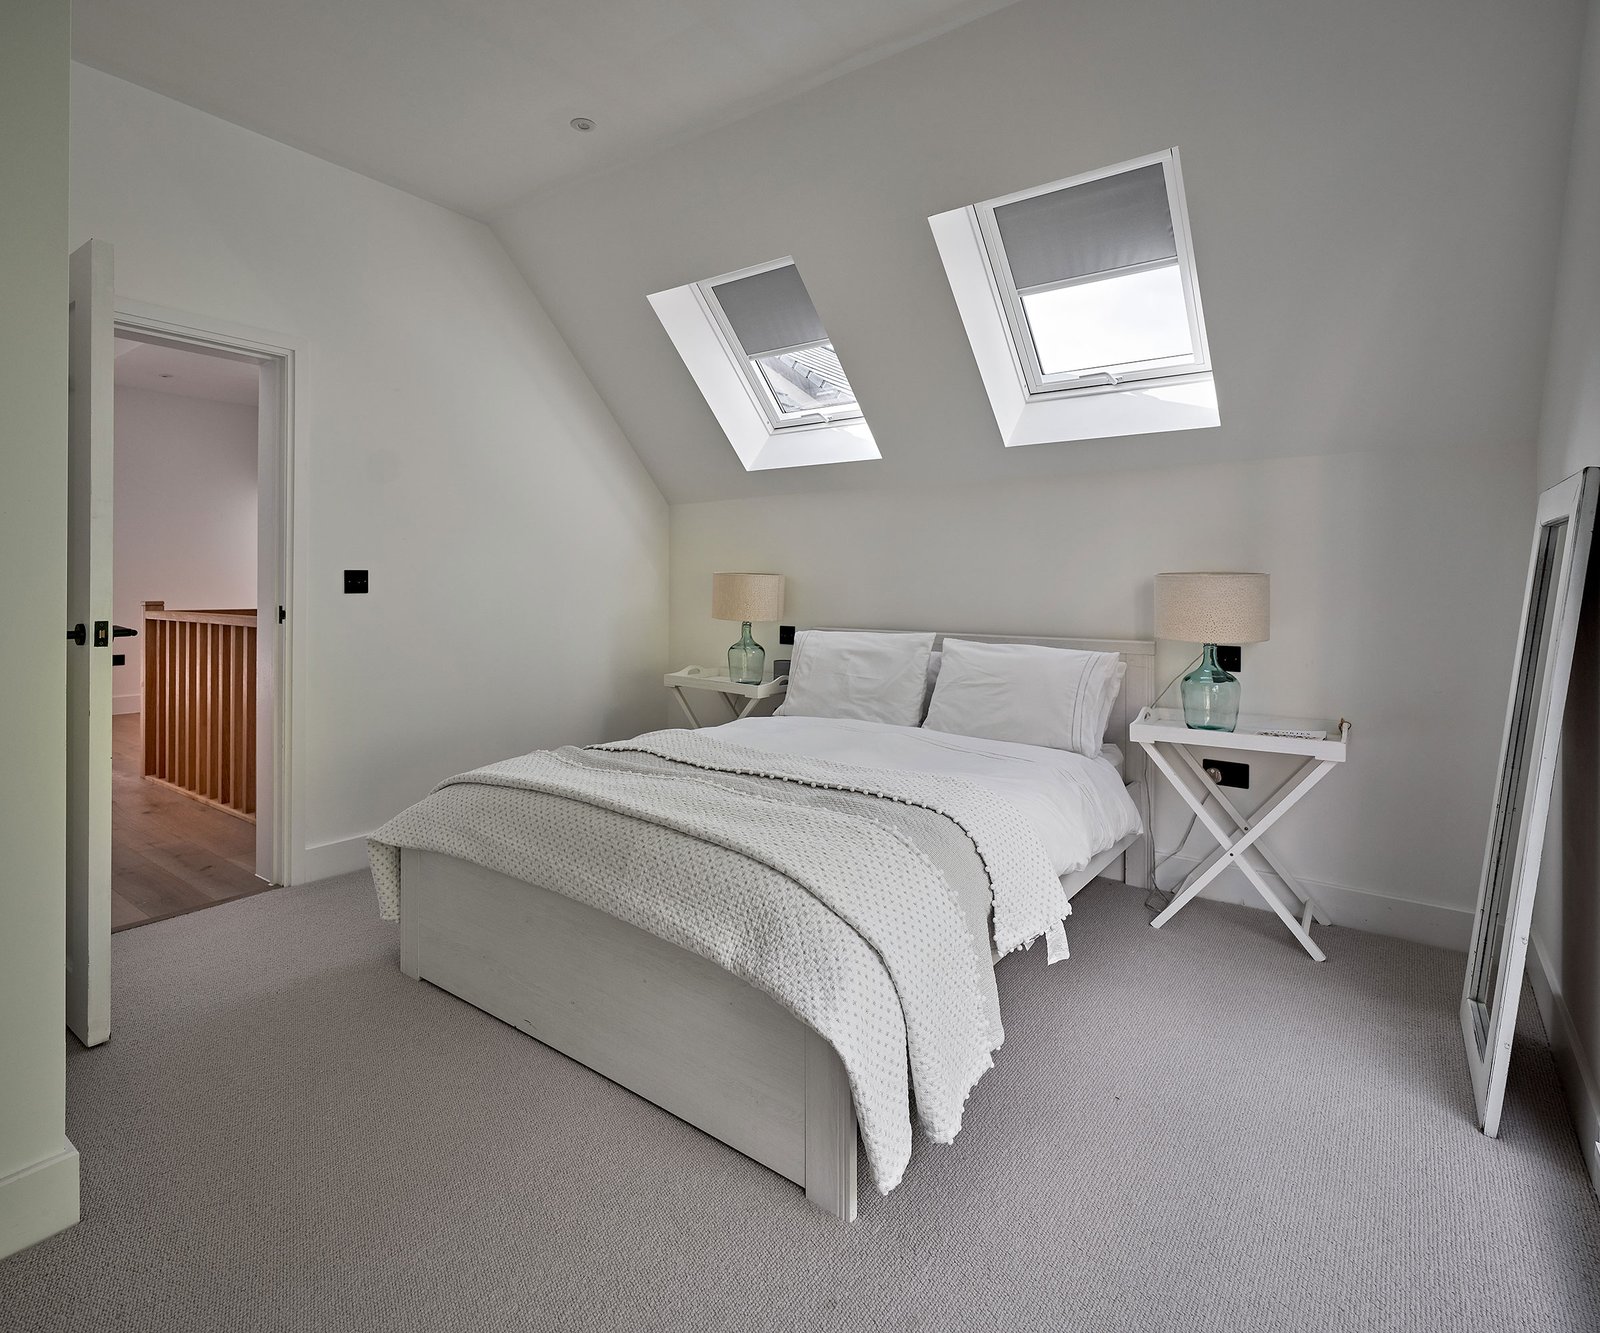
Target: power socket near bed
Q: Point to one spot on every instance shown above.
(1227, 773)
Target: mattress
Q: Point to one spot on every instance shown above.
(1077, 805)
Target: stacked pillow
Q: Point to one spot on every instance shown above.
(859, 675)
(1056, 697)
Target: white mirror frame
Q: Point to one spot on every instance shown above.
(1525, 776)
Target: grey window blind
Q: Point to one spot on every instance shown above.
(770, 310)
(1097, 227)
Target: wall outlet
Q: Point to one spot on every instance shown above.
(355, 580)
(1226, 773)
(785, 635)
(1229, 657)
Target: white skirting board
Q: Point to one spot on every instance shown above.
(1358, 909)
(125, 703)
(1577, 1079)
(324, 860)
(39, 1200)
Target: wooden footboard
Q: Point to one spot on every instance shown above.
(661, 1021)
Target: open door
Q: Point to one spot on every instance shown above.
(91, 389)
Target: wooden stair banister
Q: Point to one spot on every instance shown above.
(198, 713)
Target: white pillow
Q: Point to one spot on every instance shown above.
(1060, 697)
(855, 674)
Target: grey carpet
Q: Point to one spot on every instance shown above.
(1195, 1128)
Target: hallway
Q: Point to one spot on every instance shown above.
(170, 854)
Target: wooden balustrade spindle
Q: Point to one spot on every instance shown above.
(199, 704)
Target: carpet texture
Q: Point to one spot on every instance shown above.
(1192, 1128)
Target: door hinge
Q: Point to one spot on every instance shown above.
(282, 616)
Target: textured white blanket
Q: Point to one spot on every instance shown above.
(1028, 898)
(838, 915)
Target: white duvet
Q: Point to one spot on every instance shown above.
(1077, 805)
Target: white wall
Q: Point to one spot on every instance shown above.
(38, 1168)
(1378, 613)
(185, 513)
(1567, 910)
(1375, 191)
(450, 444)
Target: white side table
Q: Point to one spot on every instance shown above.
(1162, 734)
(732, 691)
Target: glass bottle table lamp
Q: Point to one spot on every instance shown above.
(1208, 609)
(749, 599)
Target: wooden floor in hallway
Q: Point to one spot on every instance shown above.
(170, 854)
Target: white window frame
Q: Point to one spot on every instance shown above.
(1021, 336)
(1032, 408)
(760, 391)
(741, 405)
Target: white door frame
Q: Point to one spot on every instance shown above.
(280, 575)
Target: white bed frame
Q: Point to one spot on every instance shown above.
(666, 1023)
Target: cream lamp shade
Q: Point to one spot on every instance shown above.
(757, 598)
(1212, 607)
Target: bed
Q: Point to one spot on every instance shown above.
(680, 1029)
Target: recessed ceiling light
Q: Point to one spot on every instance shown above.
(582, 123)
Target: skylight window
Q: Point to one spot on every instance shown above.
(774, 332)
(1080, 289)
(807, 379)
(758, 351)
(1095, 279)
(1113, 324)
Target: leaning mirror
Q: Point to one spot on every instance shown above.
(1528, 748)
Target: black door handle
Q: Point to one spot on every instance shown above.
(78, 635)
(123, 632)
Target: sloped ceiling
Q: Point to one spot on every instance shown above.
(1326, 150)
(468, 103)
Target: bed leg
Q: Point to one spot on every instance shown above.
(1136, 861)
(408, 943)
(830, 1131)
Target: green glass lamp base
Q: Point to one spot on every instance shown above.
(1210, 695)
(747, 659)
